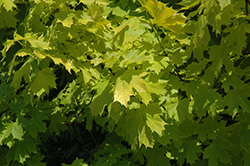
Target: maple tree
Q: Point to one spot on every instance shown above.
(128, 82)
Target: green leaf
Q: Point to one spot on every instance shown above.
(231, 79)
(206, 129)
(23, 72)
(201, 36)
(204, 98)
(36, 123)
(217, 152)
(56, 125)
(133, 56)
(191, 150)
(183, 110)
(133, 127)
(236, 39)
(43, 81)
(66, 18)
(102, 100)
(12, 128)
(157, 156)
(171, 107)
(36, 160)
(146, 97)
(237, 97)
(21, 151)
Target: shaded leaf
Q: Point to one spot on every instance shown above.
(43, 81)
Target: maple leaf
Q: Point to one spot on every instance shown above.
(206, 129)
(5, 90)
(21, 151)
(204, 99)
(37, 42)
(217, 152)
(24, 71)
(42, 81)
(123, 91)
(56, 123)
(156, 88)
(119, 12)
(189, 3)
(171, 106)
(242, 99)
(155, 123)
(133, 56)
(231, 79)
(236, 39)
(85, 75)
(7, 4)
(7, 46)
(183, 110)
(157, 156)
(133, 127)
(224, 3)
(201, 36)
(146, 97)
(163, 15)
(36, 160)
(12, 128)
(66, 18)
(36, 123)
(138, 83)
(101, 100)
(190, 151)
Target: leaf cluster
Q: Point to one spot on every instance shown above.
(102, 82)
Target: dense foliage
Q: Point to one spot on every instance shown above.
(102, 82)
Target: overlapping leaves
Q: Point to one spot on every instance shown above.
(149, 85)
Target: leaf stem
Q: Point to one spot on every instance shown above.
(156, 34)
(247, 11)
(94, 140)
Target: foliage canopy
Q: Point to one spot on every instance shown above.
(102, 82)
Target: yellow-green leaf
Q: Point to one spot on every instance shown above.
(163, 15)
(122, 92)
(138, 83)
(189, 3)
(7, 4)
(155, 123)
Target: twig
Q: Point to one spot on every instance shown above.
(156, 34)
(94, 140)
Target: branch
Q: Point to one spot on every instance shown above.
(156, 34)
